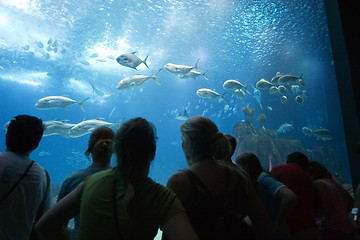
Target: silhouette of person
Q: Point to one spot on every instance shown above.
(100, 148)
(122, 202)
(25, 185)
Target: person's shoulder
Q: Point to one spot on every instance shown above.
(178, 177)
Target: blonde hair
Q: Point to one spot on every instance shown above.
(201, 136)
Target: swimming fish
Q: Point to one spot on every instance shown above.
(183, 117)
(88, 126)
(240, 93)
(283, 99)
(57, 128)
(273, 90)
(286, 127)
(299, 100)
(135, 80)
(320, 133)
(257, 96)
(275, 79)
(207, 93)
(288, 78)
(193, 74)
(180, 69)
(97, 90)
(263, 84)
(58, 102)
(234, 84)
(282, 90)
(131, 60)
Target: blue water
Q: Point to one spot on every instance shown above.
(58, 47)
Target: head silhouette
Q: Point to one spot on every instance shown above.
(251, 164)
(298, 158)
(24, 134)
(100, 141)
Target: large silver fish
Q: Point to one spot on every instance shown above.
(286, 127)
(57, 127)
(180, 69)
(193, 74)
(263, 84)
(208, 93)
(131, 60)
(320, 133)
(288, 78)
(58, 102)
(183, 117)
(135, 80)
(88, 126)
(233, 85)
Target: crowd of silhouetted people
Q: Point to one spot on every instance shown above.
(214, 198)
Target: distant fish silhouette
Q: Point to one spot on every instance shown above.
(183, 117)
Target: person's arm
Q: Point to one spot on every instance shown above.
(51, 224)
(287, 201)
(179, 184)
(178, 227)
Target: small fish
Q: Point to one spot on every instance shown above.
(207, 93)
(282, 90)
(320, 133)
(286, 127)
(39, 44)
(263, 84)
(43, 153)
(193, 74)
(302, 82)
(240, 93)
(57, 102)
(275, 79)
(273, 90)
(135, 80)
(257, 96)
(183, 117)
(97, 90)
(112, 111)
(283, 99)
(84, 62)
(180, 69)
(88, 126)
(288, 78)
(307, 131)
(2, 68)
(269, 108)
(131, 60)
(94, 55)
(299, 100)
(295, 89)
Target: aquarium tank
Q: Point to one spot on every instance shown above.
(263, 71)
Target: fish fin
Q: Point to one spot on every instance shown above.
(246, 88)
(133, 52)
(196, 64)
(145, 61)
(205, 75)
(81, 103)
(117, 125)
(222, 96)
(155, 78)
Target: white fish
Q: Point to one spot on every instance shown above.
(131, 60)
(263, 84)
(273, 90)
(240, 93)
(58, 102)
(282, 90)
(193, 74)
(257, 96)
(275, 79)
(286, 127)
(88, 126)
(61, 128)
(135, 80)
(112, 111)
(180, 69)
(183, 117)
(233, 85)
(320, 133)
(97, 90)
(208, 93)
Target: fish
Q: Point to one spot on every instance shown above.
(43, 153)
(112, 112)
(96, 90)
(257, 96)
(183, 117)
(275, 79)
(57, 128)
(321, 133)
(88, 126)
(39, 44)
(295, 89)
(283, 99)
(302, 82)
(263, 84)
(286, 127)
(208, 93)
(240, 93)
(282, 90)
(193, 74)
(299, 100)
(234, 84)
(131, 60)
(273, 90)
(2, 68)
(58, 102)
(288, 78)
(136, 80)
(180, 69)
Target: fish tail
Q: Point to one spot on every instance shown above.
(155, 78)
(301, 76)
(246, 87)
(196, 64)
(117, 125)
(145, 61)
(82, 102)
(205, 75)
(222, 96)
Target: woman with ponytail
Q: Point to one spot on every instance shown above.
(216, 197)
(122, 202)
